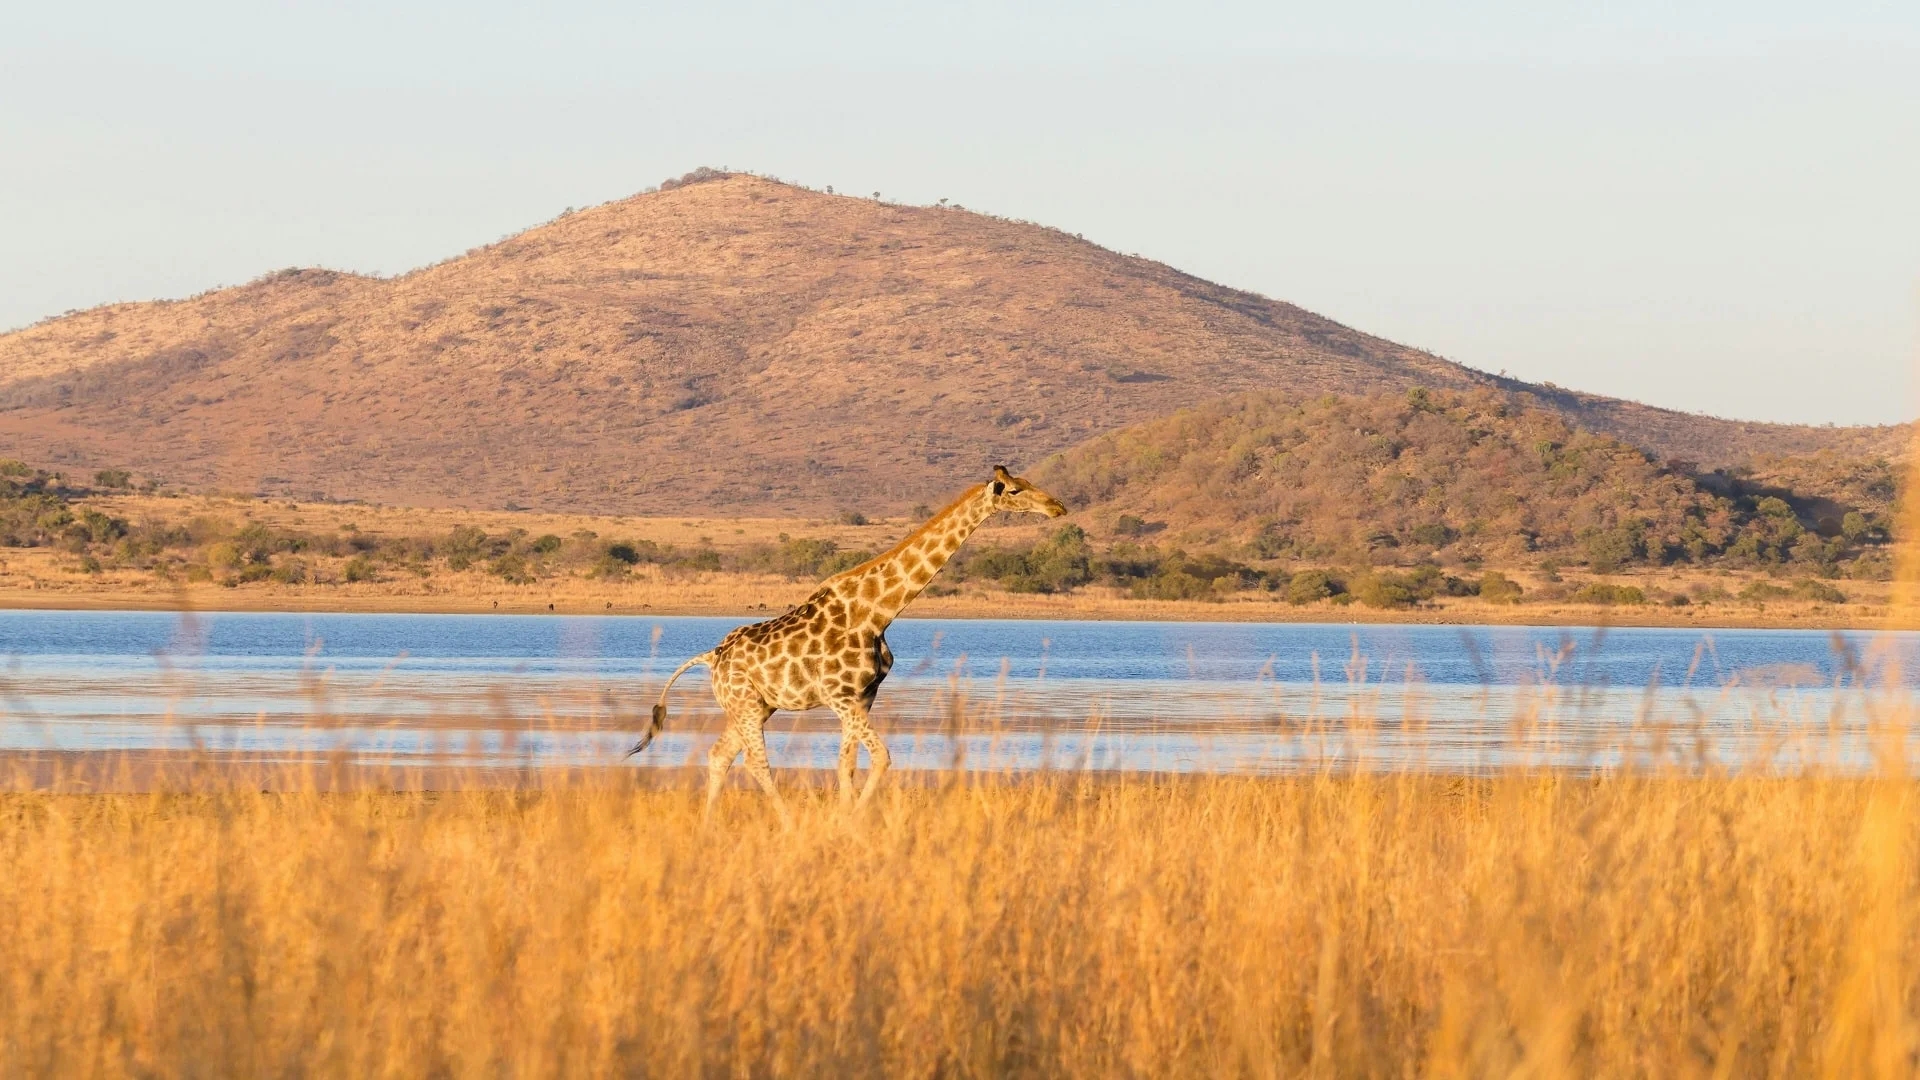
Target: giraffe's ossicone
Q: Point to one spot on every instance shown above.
(832, 650)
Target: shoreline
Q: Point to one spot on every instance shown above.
(1029, 607)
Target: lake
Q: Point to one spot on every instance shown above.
(560, 690)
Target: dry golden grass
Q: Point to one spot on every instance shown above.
(1324, 925)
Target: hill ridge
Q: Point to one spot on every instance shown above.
(733, 345)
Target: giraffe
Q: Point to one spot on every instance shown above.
(832, 649)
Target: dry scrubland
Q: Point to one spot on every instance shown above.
(1402, 925)
(198, 572)
(1422, 504)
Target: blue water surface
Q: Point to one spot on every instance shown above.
(399, 683)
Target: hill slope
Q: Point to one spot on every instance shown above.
(735, 345)
(1462, 478)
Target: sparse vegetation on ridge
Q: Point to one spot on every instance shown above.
(83, 540)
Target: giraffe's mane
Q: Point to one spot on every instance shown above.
(966, 496)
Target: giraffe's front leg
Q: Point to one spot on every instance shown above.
(849, 761)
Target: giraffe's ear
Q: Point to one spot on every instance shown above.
(996, 489)
(1001, 474)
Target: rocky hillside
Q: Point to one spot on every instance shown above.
(734, 345)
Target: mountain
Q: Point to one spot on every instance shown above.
(731, 345)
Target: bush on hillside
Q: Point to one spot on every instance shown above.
(1608, 594)
(1497, 588)
(1805, 589)
(1061, 563)
(701, 175)
(1309, 586)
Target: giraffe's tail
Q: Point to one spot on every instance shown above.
(660, 708)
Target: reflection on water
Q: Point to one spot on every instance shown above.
(977, 694)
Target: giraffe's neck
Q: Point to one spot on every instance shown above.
(882, 587)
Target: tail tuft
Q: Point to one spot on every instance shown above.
(660, 709)
(659, 721)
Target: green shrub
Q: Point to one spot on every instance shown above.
(1384, 589)
(1810, 589)
(1175, 583)
(1391, 589)
(1872, 566)
(1605, 593)
(633, 552)
(1804, 589)
(359, 568)
(1610, 549)
(1061, 563)
(695, 561)
(98, 527)
(512, 568)
(463, 546)
(804, 557)
(1498, 588)
(1309, 586)
(1273, 542)
(842, 561)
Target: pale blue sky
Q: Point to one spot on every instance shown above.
(1713, 208)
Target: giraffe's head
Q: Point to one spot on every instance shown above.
(1014, 495)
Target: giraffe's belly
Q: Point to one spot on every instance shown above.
(821, 689)
(789, 670)
(794, 699)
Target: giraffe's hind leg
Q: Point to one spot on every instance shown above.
(719, 760)
(747, 714)
(753, 734)
(856, 730)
